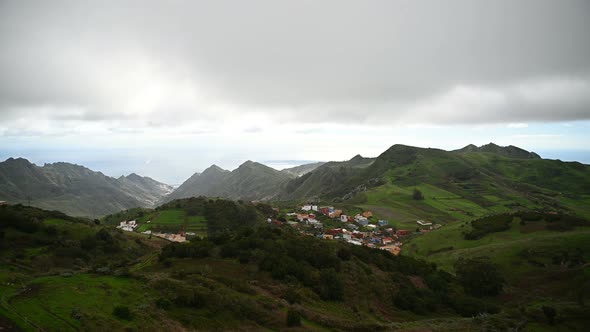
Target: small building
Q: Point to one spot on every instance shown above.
(371, 226)
(343, 218)
(363, 222)
(335, 214)
(3, 203)
(423, 223)
(312, 221)
(302, 217)
(383, 222)
(334, 231)
(402, 232)
(351, 226)
(367, 214)
(392, 249)
(128, 226)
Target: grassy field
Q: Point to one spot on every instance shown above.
(395, 203)
(447, 244)
(174, 219)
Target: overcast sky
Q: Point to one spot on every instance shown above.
(166, 88)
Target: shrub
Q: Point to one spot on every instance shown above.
(122, 312)
(417, 195)
(550, 313)
(292, 296)
(163, 303)
(479, 277)
(468, 306)
(293, 318)
(491, 224)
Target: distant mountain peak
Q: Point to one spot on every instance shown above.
(134, 176)
(213, 169)
(18, 161)
(357, 157)
(490, 145)
(250, 164)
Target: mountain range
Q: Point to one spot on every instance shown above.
(75, 189)
(484, 175)
(488, 178)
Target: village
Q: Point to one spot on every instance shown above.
(360, 229)
(324, 222)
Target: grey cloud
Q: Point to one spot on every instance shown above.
(333, 61)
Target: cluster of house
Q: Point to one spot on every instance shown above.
(131, 226)
(181, 237)
(128, 225)
(357, 229)
(386, 239)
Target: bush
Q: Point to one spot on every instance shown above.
(479, 277)
(122, 312)
(163, 303)
(292, 295)
(417, 195)
(344, 254)
(491, 224)
(468, 306)
(550, 313)
(293, 318)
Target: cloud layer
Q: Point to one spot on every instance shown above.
(140, 64)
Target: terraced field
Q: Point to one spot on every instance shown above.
(173, 220)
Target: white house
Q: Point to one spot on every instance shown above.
(343, 218)
(128, 226)
(423, 223)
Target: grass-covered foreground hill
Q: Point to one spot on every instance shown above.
(544, 258)
(59, 273)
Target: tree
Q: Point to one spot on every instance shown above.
(479, 277)
(417, 195)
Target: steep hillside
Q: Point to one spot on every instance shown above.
(145, 188)
(74, 189)
(250, 181)
(332, 179)
(200, 184)
(456, 185)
